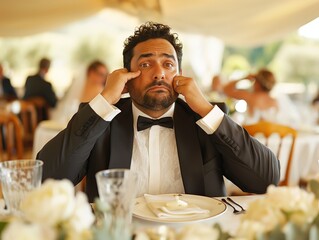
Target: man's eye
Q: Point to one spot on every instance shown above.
(169, 64)
(144, 65)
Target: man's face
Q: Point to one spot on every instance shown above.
(98, 75)
(153, 88)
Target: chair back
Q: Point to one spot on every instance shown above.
(42, 108)
(26, 111)
(280, 139)
(11, 139)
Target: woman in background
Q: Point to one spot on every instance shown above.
(260, 104)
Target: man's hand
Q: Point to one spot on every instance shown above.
(115, 84)
(193, 95)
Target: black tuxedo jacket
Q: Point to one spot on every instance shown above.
(90, 144)
(8, 90)
(37, 86)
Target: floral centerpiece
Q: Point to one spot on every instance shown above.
(55, 212)
(52, 212)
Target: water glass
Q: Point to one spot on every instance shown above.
(18, 177)
(117, 191)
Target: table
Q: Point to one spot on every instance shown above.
(305, 157)
(223, 220)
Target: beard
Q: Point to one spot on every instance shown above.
(158, 103)
(159, 100)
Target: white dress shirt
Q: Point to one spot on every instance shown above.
(154, 157)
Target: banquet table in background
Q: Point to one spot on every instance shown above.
(305, 157)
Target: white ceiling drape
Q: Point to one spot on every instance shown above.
(241, 23)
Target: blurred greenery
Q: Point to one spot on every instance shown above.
(23, 53)
(92, 48)
(249, 59)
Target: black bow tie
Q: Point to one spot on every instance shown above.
(144, 123)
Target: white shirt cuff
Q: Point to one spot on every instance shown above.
(103, 108)
(212, 120)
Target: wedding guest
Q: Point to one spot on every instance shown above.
(95, 80)
(37, 86)
(260, 103)
(88, 82)
(315, 101)
(175, 145)
(7, 91)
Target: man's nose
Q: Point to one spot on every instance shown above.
(159, 73)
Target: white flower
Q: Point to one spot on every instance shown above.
(19, 230)
(84, 235)
(82, 217)
(280, 206)
(198, 232)
(300, 204)
(50, 204)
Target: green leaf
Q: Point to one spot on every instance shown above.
(314, 233)
(2, 225)
(313, 186)
(295, 232)
(222, 235)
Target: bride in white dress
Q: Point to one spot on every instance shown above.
(261, 105)
(83, 89)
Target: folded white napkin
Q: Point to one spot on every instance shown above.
(172, 206)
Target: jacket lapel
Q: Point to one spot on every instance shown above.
(188, 149)
(122, 137)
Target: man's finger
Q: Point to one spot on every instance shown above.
(132, 75)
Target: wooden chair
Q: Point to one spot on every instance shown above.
(280, 139)
(11, 140)
(26, 111)
(41, 107)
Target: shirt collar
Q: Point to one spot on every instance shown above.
(137, 112)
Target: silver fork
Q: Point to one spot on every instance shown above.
(235, 211)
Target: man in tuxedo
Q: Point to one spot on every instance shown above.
(37, 87)
(7, 91)
(175, 145)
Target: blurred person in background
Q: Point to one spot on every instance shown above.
(37, 86)
(95, 80)
(260, 104)
(85, 86)
(315, 104)
(7, 91)
(315, 101)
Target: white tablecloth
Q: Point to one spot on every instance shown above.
(305, 157)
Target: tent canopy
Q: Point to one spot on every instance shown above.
(237, 23)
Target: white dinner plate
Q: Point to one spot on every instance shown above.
(215, 207)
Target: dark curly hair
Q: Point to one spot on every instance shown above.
(151, 30)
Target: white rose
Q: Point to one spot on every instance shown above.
(248, 229)
(82, 217)
(198, 232)
(18, 230)
(300, 204)
(51, 203)
(262, 211)
(84, 235)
